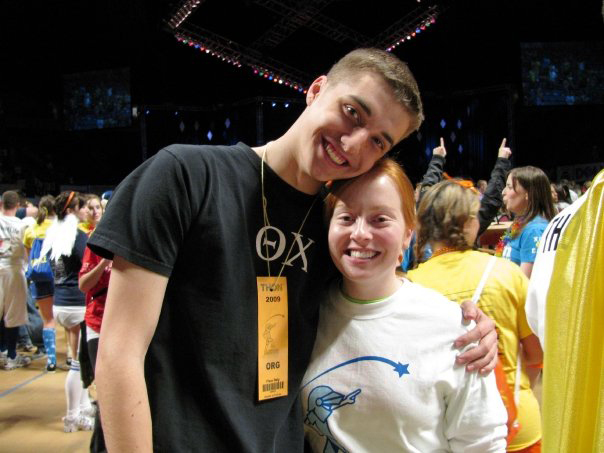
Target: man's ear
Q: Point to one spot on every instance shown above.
(315, 88)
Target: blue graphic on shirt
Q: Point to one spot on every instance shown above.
(400, 368)
(322, 401)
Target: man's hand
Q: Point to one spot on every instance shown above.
(440, 150)
(484, 356)
(504, 151)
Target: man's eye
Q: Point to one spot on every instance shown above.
(379, 143)
(350, 110)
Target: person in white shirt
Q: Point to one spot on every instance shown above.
(383, 373)
(13, 287)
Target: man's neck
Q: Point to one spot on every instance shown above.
(10, 212)
(280, 156)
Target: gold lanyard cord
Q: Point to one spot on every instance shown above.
(267, 223)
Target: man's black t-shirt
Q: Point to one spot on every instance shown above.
(194, 214)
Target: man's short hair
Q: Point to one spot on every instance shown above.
(395, 73)
(10, 199)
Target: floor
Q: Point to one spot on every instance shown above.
(32, 403)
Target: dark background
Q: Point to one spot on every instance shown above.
(468, 65)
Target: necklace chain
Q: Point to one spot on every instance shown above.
(443, 250)
(266, 220)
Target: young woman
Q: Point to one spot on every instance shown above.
(82, 212)
(65, 245)
(560, 197)
(528, 196)
(382, 375)
(94, 281)
(42, 291)
(90, 213)
(448, 223)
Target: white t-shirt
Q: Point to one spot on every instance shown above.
(383, 378)
(12, 250)
(543, 268)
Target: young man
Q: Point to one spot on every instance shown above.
(192, 232)
(13, 288)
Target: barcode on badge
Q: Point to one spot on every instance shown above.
(272, 386)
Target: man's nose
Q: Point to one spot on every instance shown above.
(352, 143)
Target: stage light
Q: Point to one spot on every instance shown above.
(225, 53)
(411, 28)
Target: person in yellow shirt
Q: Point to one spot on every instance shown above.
(42, 291)
(447, 218)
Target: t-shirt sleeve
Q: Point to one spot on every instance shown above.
(89, 261)
(475, 417)
(150, 212)
(530, 242)
(28, 237)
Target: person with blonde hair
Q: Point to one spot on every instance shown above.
(447, 221)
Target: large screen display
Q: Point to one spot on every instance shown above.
(97, 100)
(564, 73)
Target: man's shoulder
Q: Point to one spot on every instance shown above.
(13, 226)
(12, 220)
(208, 153)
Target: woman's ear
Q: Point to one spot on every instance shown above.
(407, 238)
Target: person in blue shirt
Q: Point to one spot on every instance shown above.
(528, 196)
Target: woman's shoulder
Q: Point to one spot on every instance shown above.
(439, 316)
(418, 294)
(535, 227)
